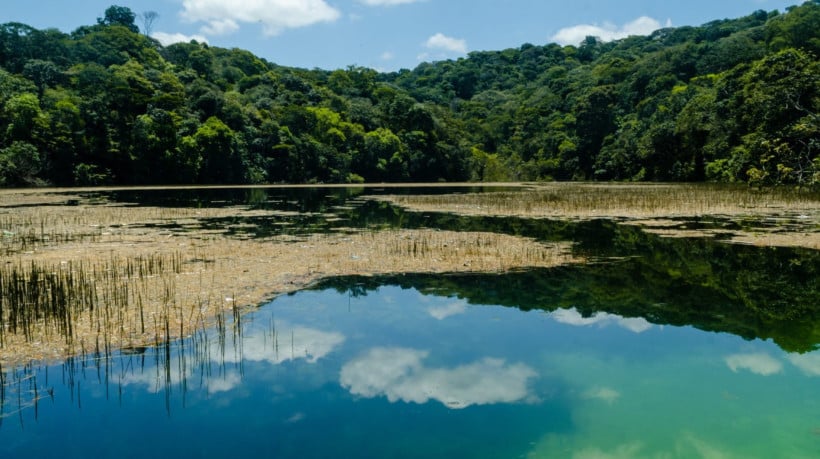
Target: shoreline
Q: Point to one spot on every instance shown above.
(206, 272)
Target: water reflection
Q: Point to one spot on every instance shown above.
(287, 342)
(602, 319)
(448, 310)
(322, 373)
(401, 375)
(808, 363)
(765, 365)
(606, 394)
(757, 363)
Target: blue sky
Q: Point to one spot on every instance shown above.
(386, 34)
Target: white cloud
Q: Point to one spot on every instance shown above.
(400, 374)
(220, 27)
(809, 363)
(387, 2)
(443, 312)
(573, 317)
(442, 42)
(605, 394)
(224, 16)
(574, 35)
(171, 38)
(625, 451)
(291, 343)
(224, 383)
(761, 364)
(387, 56)
(155, 382)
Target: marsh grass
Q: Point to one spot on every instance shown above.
(29, 228)
(91, 277)
(792, 216)
(591, 200)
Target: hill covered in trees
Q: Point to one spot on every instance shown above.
(732, 100)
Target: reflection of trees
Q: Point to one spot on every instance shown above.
(751, 292)
(208, 362)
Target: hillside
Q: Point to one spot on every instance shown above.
(731, 101)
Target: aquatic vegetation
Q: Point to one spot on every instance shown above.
(96, 274)
(768, 217)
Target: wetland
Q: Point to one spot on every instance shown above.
(549, 320)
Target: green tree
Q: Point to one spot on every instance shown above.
(218, 147)
(19, 165)
(119, 15)
(381, 157)
(24, 118)
(782, 99)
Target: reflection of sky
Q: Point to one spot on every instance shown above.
(153, 379)
(400, 374)
(447, 310)
(809, 363)
(766, 365)
(573, 317)
(594, 388)
(685, 445)
(291, 342)
(758, 363)
(606, 394)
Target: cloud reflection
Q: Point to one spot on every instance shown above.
(809, 363)
(606, 394)
(290, 342)
(154, 381)
(224, 383)
(400, 374)
(759, 363)
(574, 317)
(443, 312)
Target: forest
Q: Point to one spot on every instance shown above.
(734, 100)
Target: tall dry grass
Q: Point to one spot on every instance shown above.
(94, 276)
(592, 200)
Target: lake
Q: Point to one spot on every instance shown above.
(655, 347)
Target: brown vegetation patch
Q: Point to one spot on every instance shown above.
(646, 205)
(198, 276)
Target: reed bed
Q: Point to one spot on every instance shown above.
(34, 227)
(590, 200)
(87, 277)
(644, 205)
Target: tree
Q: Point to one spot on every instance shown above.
(381, 157)
(148, 18)
(19, 165)
(65, 137)
(217, 145)
(782, 115)
(119, 15)
(24, 117)
(43, 73)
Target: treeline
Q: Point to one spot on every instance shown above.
(732, 100)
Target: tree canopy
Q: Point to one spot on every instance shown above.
(733, 100)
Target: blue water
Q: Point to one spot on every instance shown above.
(399, 373)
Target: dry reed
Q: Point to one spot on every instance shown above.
(86, 278)
(644, 205)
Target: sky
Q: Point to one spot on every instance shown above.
(386, 35)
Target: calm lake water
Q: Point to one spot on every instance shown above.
(661, 348)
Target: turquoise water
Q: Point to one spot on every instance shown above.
(403, 372)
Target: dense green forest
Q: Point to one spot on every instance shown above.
(732, 101)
